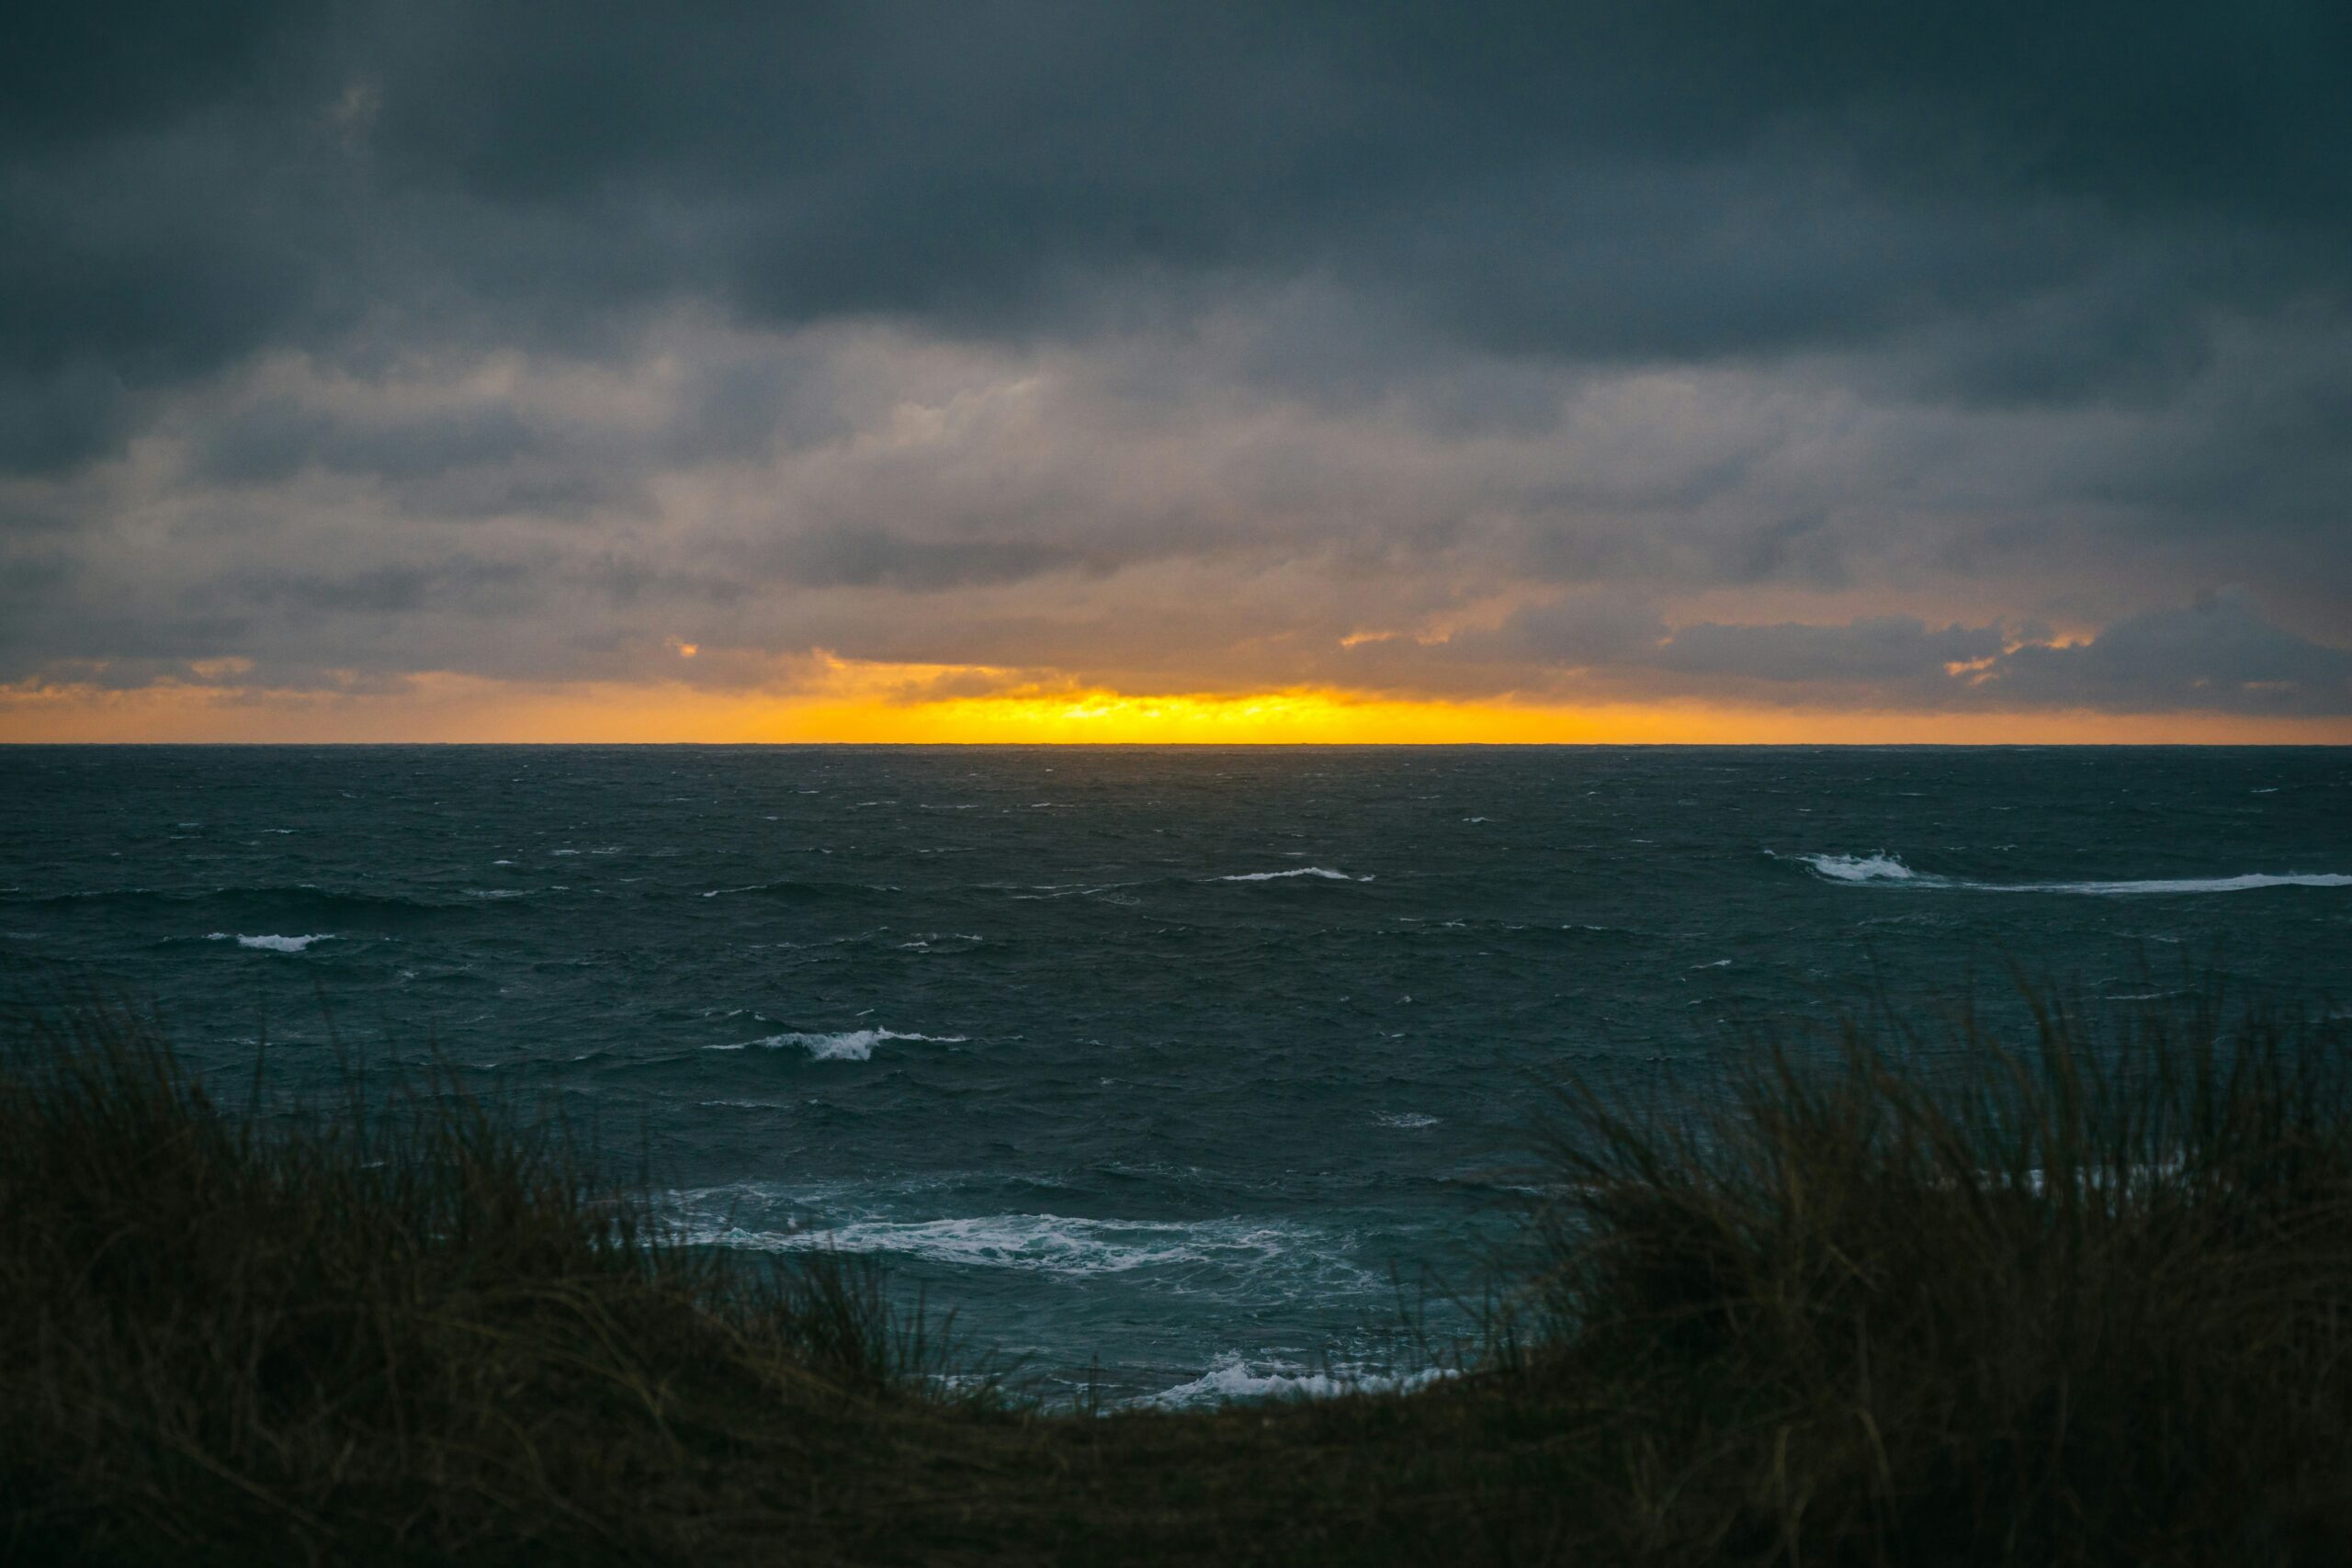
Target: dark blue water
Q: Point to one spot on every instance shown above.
(1182, 1060)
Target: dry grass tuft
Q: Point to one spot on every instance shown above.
(2062, 1300)
(2082, 1301)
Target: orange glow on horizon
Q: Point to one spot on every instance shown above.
(866, 703)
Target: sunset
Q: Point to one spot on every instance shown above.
(836, 703)
(1660, 379)
(1176, 782)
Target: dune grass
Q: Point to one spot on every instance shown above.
(2077, 1297)
(2085, 1301)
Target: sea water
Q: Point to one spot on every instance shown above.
(1197, 1072)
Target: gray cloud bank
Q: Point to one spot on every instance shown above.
(1936, 356)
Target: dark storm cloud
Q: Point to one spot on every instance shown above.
(496, 585)
(350, 336)
(2218, 654)
(2219, 658)
(1880, 650)
(844, 558)
(1662, 180)
(281, 437)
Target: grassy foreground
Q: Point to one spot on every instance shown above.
(2066, 1302)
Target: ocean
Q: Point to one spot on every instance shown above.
(1190, 1071)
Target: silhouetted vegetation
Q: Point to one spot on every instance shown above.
(2058, 1300)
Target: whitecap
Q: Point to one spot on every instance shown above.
(1410, 1121)
(849, 1045)
(2247, 883)
(1231, 1378)
(1879, 867)
(1886, 868)
(272, 943)
(1046, 1244)
(1323, 872)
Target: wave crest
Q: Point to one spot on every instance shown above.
(2245, 883)
(849, 1045)
(1323, 872)
(272, 943)
(1231, 1378)
(1048, 1244)
(1885, 868)
(1879, 867)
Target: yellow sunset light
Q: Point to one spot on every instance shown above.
(825, 698)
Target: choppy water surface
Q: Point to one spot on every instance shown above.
(1182, 1060)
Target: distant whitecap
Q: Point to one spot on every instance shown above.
(1889, 869)
(1324, 872)
(849, 1045)
(1879, 867)
(272, 943)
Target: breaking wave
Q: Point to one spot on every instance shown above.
(849, 1045)
(1329, 875)
(272, 943)
(1232, 1378)
(1879, 867)
(1048, 1244)
(1886, 868)
(2247, 883)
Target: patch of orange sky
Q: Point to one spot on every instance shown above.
(852, 702)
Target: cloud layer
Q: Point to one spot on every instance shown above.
(1934, 358)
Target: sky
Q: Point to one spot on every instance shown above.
(1021, 370)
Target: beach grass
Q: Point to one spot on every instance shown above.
(1948, 1294)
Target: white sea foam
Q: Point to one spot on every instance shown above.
(2247, 883)
(1886, 868)
(1045, 1244)
(1879, 867)
(1327, 875)
(1233, 1377)
(272, 943)
(850, 1046)
(1410, 1121)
